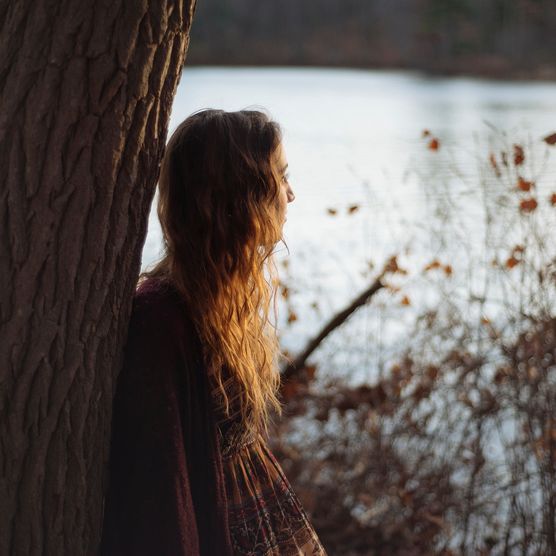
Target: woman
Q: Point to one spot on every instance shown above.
(190, 469)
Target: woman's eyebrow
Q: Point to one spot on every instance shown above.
(284, 168)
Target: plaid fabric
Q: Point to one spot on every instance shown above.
(265, 516)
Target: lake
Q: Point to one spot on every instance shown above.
(355, 138)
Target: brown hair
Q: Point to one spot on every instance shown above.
(218, 192)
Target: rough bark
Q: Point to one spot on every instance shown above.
(86, 89)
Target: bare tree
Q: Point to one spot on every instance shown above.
(85, 94)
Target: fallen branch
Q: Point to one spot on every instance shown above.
(295, 366)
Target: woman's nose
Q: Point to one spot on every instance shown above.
(291, 195)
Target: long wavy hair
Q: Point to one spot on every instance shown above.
(217, 205)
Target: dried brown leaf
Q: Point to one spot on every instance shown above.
(524, 185)
(528, 205)
(519, 155)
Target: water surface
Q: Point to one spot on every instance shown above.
(354, 137)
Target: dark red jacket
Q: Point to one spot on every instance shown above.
(166, 493)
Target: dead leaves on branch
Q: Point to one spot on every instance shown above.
(494, 164)
(519, 155)
(392, 266)
(528, 205)
(292, 316)
(518, 159)
(351, 209)
(297, 387)
(405, 381)
(480, 388)
(381, 397)
(433, 143)
(375, 396)
(515, 257)
(409, 381)
(524, 185)
(436, 264)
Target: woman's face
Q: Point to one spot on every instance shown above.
(286, 193)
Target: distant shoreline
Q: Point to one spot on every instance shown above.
(478, 71)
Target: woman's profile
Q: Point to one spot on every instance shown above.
(190, 471)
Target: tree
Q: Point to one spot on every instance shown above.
(86, 89)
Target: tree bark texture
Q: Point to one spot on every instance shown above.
(86, 89)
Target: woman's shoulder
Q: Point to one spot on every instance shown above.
(154, 294)
(158, 304)
(160, 328)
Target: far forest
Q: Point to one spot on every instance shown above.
(495, 38)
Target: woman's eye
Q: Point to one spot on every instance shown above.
(285, 177)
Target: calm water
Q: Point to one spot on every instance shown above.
(355, 138)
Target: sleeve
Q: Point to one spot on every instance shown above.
(149, 508)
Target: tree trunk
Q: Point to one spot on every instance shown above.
(85, 95)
